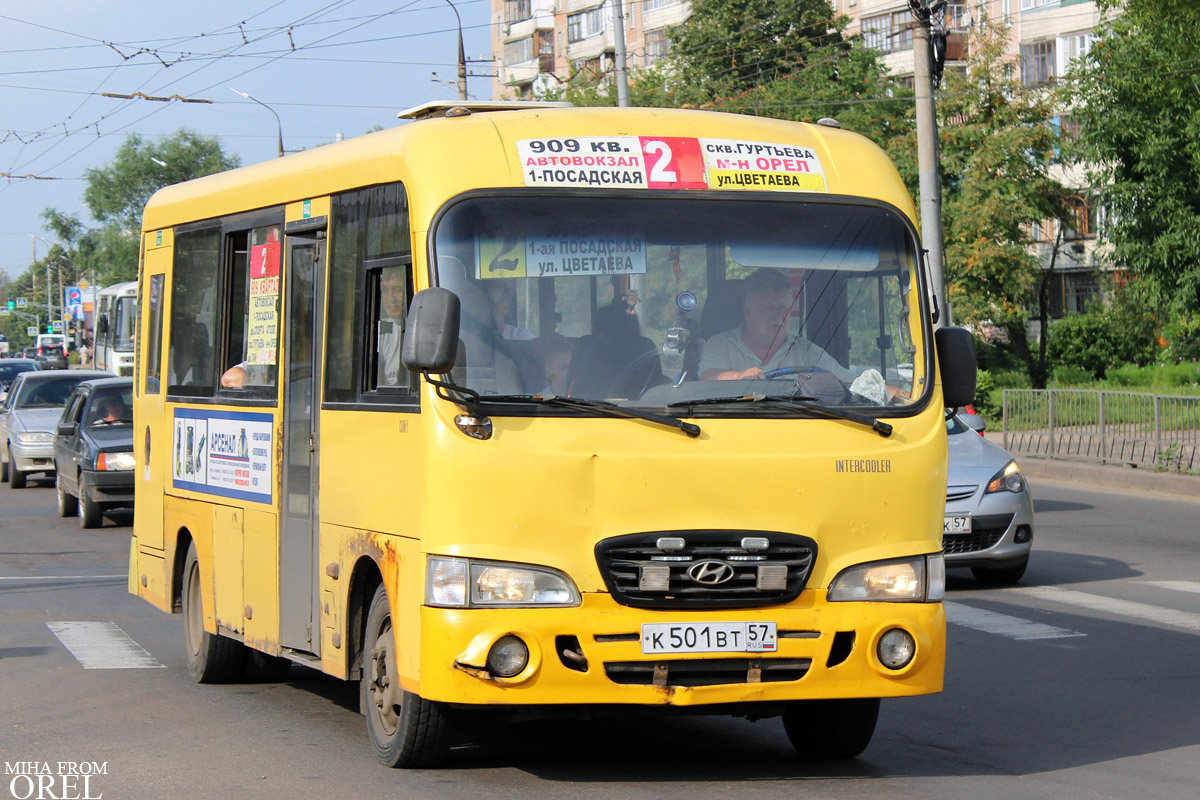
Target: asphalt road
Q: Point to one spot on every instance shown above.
(1082, 683)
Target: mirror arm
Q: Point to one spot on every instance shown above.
(466, 399)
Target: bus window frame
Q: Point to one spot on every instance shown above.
(370, 393)
(243, 222)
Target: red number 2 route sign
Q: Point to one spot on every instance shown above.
(673, 162)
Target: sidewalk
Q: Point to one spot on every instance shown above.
(1108, 476)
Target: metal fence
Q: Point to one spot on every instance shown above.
(1143, 430)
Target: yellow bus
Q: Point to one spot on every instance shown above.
(551, 411)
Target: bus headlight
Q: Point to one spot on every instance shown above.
(910, 580)
(461, 582)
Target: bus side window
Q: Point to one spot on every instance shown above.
(154, 344)
(196, 271)
(389, 291)
(251, 312)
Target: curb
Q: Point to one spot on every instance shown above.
(1111, 477)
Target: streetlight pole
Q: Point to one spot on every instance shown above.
(33, 238)
(278, 123)
(928, 159)
(462, 57)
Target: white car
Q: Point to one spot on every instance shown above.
(989, 510)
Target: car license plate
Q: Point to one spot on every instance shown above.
(708, 637)
(957, 523)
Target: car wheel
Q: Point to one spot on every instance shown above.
(210, 658)
(998, 576)
(4, 466)
(68, 506)
(405, 730)
(831, 728)
(90, 512)
(16, 478)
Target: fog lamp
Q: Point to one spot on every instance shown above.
(896, 648)
(508, 656)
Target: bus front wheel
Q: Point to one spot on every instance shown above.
(831, 728)
(210, 658)
(406, 730)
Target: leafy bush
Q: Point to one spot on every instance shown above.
(1071, 375)
(1182, 337)
(1163, 376)
(1097, 341)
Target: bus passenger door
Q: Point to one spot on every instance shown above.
(298, 597)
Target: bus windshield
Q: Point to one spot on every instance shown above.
(662, 302)
(123, 317)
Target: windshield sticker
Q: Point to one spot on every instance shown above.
(583, 248)
(670, 162)
(223, 453)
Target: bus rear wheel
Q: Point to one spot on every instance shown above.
(210, 658)
(406, 730)
(831, 728)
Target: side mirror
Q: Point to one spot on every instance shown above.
(66, 429)
(974, 422)
(431, 341)
(956, 359)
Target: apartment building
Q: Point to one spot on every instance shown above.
(541, 43)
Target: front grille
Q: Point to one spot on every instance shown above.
(707, 671)
(985, 532)
(959, 492)
(772, 569)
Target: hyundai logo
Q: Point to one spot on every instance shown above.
(710, 573)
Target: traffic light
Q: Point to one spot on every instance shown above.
(12, 305)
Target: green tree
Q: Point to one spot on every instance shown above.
(116, 194)
(1139, 113)
(998, 147)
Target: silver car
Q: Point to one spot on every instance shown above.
(989, 510)
(28, 419)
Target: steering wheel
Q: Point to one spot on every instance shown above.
(782, 372)
(816, 381)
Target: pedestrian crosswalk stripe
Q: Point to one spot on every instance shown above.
(1111, 605)
(1179, 586)
(1003, 625)
(102, 645)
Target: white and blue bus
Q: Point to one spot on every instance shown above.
(116, 316)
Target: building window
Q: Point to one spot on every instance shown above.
(517, 10)
(656, 46)
(1081, 219)
(1037, 63)
(1072, 48)
(888, 32)
(585, 24)
(651, 5)
(519, 51)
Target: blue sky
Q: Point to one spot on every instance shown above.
(325, 66)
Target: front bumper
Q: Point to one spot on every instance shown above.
(998, 521)
(34, 457)
(825, 650)
(112, 488)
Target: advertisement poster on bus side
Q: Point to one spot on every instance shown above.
(224, 453)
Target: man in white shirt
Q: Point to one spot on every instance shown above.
(393, 286)
(763, 342)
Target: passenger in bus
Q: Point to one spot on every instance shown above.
(393, 304)
(763, 342)
(501, 294)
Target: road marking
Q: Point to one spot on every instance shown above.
(60, 577)
(1111, 605)
(1003, 624)
(102, 645)
(1179, 586)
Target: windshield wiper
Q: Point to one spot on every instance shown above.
(799, 403)
(608, 408)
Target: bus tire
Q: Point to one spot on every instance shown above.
(405, 730)
(211, 658)
(91, 513)
(68, 506)
(831, 728)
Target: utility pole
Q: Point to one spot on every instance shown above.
(928, 158)
(462, 57)
(619, 53)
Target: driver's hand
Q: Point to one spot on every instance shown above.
(739, 375)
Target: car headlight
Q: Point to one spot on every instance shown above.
(34, 437)
(1008, 479)
(920, 579)
(114, 462)
(461, 582)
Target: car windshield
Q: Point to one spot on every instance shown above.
(661, 302)
(45, 394)
(111, 406)
(124, 316)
